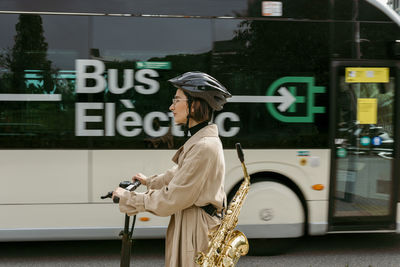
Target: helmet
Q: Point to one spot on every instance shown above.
(201, 85)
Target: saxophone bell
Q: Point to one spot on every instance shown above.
(238, 244)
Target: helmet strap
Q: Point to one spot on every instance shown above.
(212, 115)
(190, 100)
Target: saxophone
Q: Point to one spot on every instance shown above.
(226, 244)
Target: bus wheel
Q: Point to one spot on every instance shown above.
(272, 217)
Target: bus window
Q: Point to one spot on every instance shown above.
(137, 7)
(39, 60)
(250, 56)
(299, 9)
(162, 41)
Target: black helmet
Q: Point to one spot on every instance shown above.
(201, 85)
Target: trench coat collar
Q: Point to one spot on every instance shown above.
(208, 131)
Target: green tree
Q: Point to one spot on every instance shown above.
(30, 53)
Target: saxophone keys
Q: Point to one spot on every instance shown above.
(228, 262)
(199, 258)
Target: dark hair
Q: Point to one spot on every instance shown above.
(201, 110)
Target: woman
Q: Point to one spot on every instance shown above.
(192, 192)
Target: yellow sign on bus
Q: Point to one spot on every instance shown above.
(367, 75)
(367, 110)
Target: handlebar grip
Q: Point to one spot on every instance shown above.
(109, 195)
(240, 152)
(133, 186)
(127, 186)
(124, 184)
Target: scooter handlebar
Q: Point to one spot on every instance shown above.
(126, 185)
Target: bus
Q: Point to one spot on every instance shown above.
(84, 104)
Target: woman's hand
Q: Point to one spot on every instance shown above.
(118, 192)
(129, 202)
(141, 178)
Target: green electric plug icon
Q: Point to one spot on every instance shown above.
(311, 91)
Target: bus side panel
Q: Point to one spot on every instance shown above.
(398, 218)
(71, 222)
(318, 217)
(43, 176)
(304, 171)
(110, 167)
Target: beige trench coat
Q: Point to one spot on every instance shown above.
(197, 180)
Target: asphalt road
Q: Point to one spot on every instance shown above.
(345, 250)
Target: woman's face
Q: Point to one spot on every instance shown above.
(179, 107)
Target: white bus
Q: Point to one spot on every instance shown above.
(84, 104)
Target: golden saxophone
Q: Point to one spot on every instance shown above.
(226, 244)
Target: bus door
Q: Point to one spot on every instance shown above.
(362, 192)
